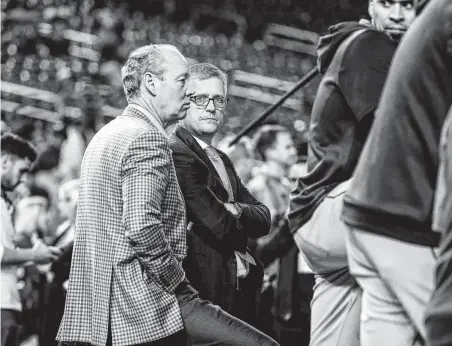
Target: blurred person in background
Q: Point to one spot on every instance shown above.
(72, 149)
(242, 156)
(271, 185)
(58, 272)
(17, 156)
(222, 214)
(342, 115)
(30, 216)
(389, 204)
(274, 146)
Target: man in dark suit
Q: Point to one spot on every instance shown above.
(222, 214)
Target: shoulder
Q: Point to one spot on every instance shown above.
(178, 147)
(176, 143)
(369, 47)
(146, 147)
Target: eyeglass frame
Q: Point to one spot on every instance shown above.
(192, 99)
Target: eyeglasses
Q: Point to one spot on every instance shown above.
(202, 101)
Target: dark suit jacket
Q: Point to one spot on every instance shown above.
(210, 264)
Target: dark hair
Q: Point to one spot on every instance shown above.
(16, 145)
(36, 190)
(265, 138)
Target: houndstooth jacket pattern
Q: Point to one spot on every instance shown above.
(130, 238)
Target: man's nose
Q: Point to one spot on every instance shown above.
(190, 91)
(210, 106)
(397, 14)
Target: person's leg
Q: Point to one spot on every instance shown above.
(10, 320)
(397, 280)
(383, 320)
(335, 302)
(247, 298)
(207, 324)
(335, 310)
(439, 310)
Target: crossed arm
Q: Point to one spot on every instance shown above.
(252, 218)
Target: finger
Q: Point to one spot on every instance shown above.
(55, 250)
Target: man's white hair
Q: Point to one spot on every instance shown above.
(144, 59)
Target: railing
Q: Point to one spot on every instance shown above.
(293, 39)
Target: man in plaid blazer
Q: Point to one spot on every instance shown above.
(127, 285)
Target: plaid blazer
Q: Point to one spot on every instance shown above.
(130, 238)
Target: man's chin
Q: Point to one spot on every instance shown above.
(182, 114)
(210, 128)
(395, 35)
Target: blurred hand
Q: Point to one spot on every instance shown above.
(233, 209)
(28, 213)
(43, 253)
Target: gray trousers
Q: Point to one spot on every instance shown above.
(397, 280)
(336, 303)
(205, 324)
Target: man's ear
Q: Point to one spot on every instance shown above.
(6, 161)
(150, 81)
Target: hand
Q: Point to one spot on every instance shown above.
(28, 213)
(43, 253)
(233, 209)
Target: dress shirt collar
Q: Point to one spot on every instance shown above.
(201, 143)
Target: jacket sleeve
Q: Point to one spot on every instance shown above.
(144, 181)
(204, 208)
(276, 244)
(255, 219)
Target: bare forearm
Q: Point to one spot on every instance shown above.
(16, 256)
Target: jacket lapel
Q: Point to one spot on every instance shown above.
(200, 154)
